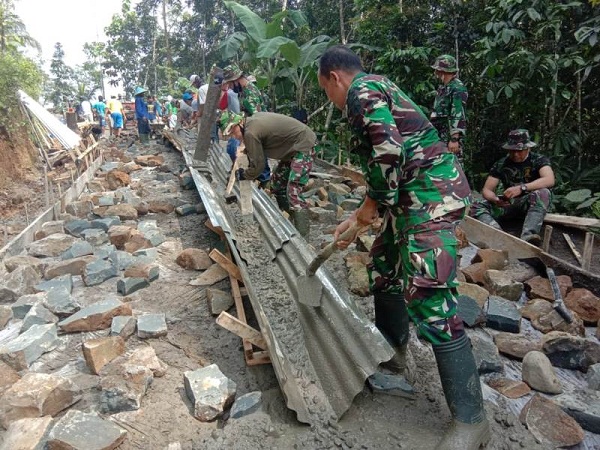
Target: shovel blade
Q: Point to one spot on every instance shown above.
(309, 290)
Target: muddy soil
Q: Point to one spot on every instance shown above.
(194, 340)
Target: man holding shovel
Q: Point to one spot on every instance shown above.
(422, 192)
(270, 135)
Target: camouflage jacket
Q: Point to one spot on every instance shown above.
(252, 100)
(449, 110)
(511, 173)
(406, 166)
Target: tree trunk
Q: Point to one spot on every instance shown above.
(342, 30)
(167, 46)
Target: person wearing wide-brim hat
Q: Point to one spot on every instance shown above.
(141, 115)
(448, 115)
(526, 178)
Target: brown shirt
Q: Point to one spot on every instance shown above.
(274, 136)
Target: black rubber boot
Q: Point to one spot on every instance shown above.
(301, 220)
(460, 381)
(283, 202)
(391, 318)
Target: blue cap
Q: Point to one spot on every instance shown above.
(187, 96)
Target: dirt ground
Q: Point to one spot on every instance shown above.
(194, 340)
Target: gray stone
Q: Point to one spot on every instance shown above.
(323, 215)
(123, 326)
(105, 223)
(64, 282)
(22, 280)
(583, 406)
(503, 315)
(539, 374)
(60, 302)
(51, 246)
(27, 434)
(98, 272)
(12, 262)
(111, 165)
(105, 251)
(246, 404)
(52, 227)
(106, 200)
(79, 248)
(155, 237)
(350, 204)
(470, 311)
(185, 210)
(75, 227)
(145, 271)
(79, 208)
(38, 315)
(97, 316)
(20, 352)
(395, 385)
(515, 345)
(95, 236)
(75, 431)
(151, 326)
(218, 301)
(146, 252)
(129, 285)
(124, 211)
(6, 314)
(593, 377)
(499, 283)
(335, 198)
(123, 385)
(571, 352)
(124, 259)
(74, 266)
(210, 392)
(338, 188)
(21, 307)
(186, 181)
(486, 353)
(7, 296)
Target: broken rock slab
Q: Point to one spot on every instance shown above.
(97, 316)
(550, 426)
(20, 352)
(145, 271)
(75, 227)
(6, 313)
(493, 259)
(119, 235)
(218, 301)
(499, 283)
(210, 392)
(514, 345)
(474, 291)
(60, 302)
(571, 352)
(12, 262)
(38, 315)
(151, 326)
(74, 266)
(7, 296)
(23, 305)
(37, 395)
(194, 259)
(509, 388)
(539, 374)
(585, 304)
(593, 377)
(77, 430)
(486, 353)
(470, 311)
(79, 248)
(51, 246)
(8, 377)
(539, 287)
(27, 434)
(98, 272)
(64, 281)
(146, 357)
(95, 236)
(503, 315)
(212, 275)
(22, 280)
(246, 404)
(101, 351)
(106, 223)
(129, 285)
(123, 326)
(123, 211)
(583, 406)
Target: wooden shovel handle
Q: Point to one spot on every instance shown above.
(331, 248)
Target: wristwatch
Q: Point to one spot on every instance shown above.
(523, 187)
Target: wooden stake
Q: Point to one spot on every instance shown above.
(217, 230)
(588, 248)
(226, 264)
(547, 236)
(232, 176)
(46, 190)
(571, 245)
(241, 329)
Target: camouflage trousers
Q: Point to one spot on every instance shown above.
(422, 263)
(533, 207)
(290, 177)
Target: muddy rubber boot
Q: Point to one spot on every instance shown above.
(470, 428)
(488, 220)
(301, 220)
(532, 225)
(391, 319)
(145, 139)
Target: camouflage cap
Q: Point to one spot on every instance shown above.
(228, 120)
(445, 63)
(518, 140)
(231, 73)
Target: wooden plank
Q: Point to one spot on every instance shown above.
(246, 197)
(571, 245)
(588, 248)
(257, 358)
(209, 116)
(217, 230)
(547, 236)
(572, 221)
(234, 169)
(241, 329)
(226, 264)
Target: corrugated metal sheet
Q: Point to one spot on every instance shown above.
(343, 346)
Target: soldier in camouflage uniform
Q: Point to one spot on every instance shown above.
(526, 179)
(450, 105)
(251, 102)
(280, 137)
(422, 192)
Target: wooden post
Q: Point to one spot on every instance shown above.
(209, 118)
(226, 264)
(46, 190)
(571, 245)
(588, 248)
(547, 236)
